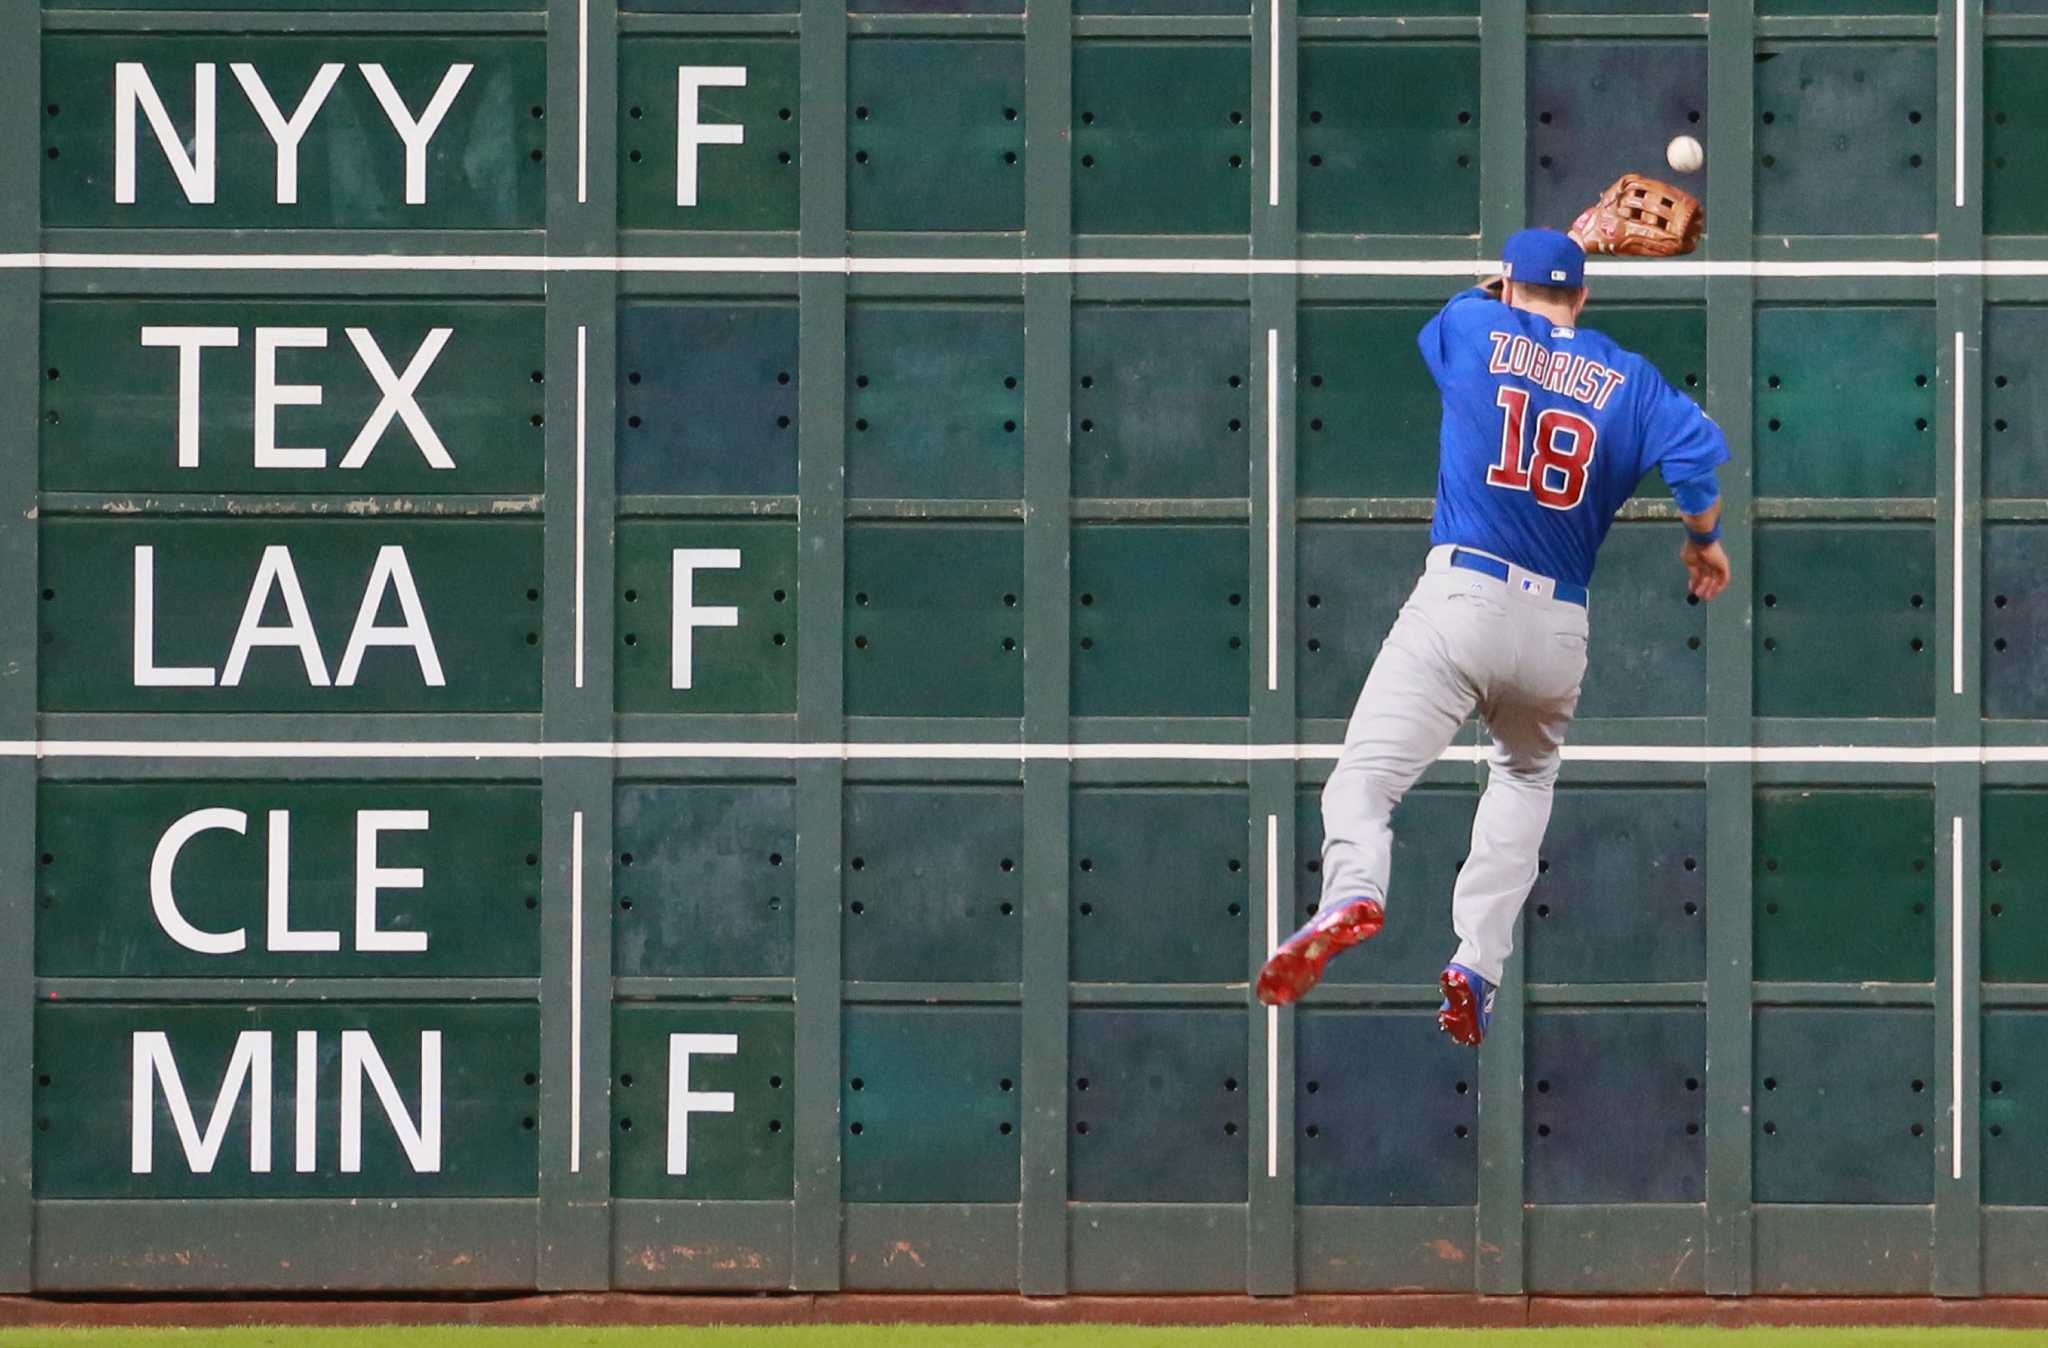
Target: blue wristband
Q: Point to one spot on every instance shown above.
(1712, 535)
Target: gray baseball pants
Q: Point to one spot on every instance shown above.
(1464, 639)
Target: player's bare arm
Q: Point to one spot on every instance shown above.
(1706, 561)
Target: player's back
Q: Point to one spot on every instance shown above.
(1547, 429)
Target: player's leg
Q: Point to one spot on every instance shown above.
(1414, 700)
(1528, 721)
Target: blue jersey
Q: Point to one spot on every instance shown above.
(1547, 430)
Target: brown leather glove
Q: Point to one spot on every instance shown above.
(1641, 217)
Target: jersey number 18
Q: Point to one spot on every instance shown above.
(1555, 474)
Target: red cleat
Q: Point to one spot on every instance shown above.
(1298, 964)
(1467, 1008)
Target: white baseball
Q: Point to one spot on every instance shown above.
(1685, 154)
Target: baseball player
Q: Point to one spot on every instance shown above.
(1547, 429)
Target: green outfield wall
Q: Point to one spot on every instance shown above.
(690, 647)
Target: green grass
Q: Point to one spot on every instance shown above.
(1063, 1336)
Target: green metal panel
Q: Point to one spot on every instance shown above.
(484, 167)
(736, 1148)
(478, 586)
(2015, 918)
(1866, 1250)
(932, 620)
(709, 6)
(1577, 146)
(747, 667)
(663, 1244)
(1389, 138)
(1845, 401)
(1789, 7)
(1646, 655)
(936, 403)
(2016, 404)
(337, 6)
(707, 398)
(1844, 1109)
(1845, 141)
(1162, 137)
(967, 1247)
(1353, 580)
(1829, 913)
(1617, 1249)
(480, 1143)
(1337, 8)
(472, 900)
(937, 136)
(1621, 870)
(1432, 828)
(2015, 138)
(1586, 1067)
(1388, 1111)
(749, 186)
(1160, 889)
(1848, 620)
(1160, 403)
(703, 880)
(1147, 593)
(1612, 7)
(111, 402)
(2012, 1101)
(1133, 7)
(1158, 1100)
(2014, 653)
(1368, 412)
(932, 883)
(324, 1248)
(931, 1104)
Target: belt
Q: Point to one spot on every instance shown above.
(1571, 592)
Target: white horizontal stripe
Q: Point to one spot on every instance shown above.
(983, 266)
(778, 751)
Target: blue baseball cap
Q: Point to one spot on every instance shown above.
(1544, 257)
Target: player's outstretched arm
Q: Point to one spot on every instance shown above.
(1707, 562)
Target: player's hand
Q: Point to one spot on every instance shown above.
(1708, 565)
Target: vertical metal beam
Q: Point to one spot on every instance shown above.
(1731, 212)
(1048, 521)
(1270, 1225)
(1959, 525)
(1503, 178)
(821, 582)
(1503, 121)
(574, 1248)
(21, 109)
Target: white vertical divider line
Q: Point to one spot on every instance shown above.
(1272, 510)
(1955, 1045)
(1273, 110)
(1962, 107)
(582, 448)
(576, 993)
(583, 102)
(1956, 527)
(1272, 1012)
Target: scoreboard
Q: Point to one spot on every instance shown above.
(689, 645)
